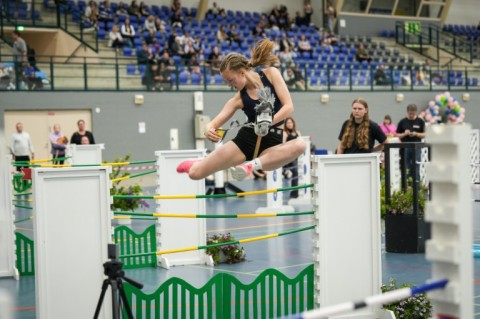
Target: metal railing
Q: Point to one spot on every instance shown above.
(45, 14)
(65, 73)
(431, 36)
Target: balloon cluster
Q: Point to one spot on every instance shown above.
(445, 109)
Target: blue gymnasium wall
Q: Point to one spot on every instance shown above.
(117, 123)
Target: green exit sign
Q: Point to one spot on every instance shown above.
(413, 27)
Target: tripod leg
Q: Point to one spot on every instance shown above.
(100, 300)
(126, 305)
(115, 309)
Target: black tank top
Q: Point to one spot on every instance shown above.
(249, 103)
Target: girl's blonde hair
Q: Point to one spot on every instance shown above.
(261, 55)
(362, 134)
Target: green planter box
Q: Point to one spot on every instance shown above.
(406, 233)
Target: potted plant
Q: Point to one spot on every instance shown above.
(415, 307)
(406, 232)
(119, 189)
(229, 254)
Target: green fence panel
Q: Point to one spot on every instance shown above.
(25, 255)
(130, 242)
(176, 298)
(270, 295)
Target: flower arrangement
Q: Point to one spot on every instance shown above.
(117, 189)
(415, 307)
(230, 252)
(444, 109)
(401, 202)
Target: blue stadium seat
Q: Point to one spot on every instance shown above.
(218, 79)
(127, 51)
(183, 78)
(196, 79)
(141, 69)
(131, 70)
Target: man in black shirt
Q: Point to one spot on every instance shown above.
(411, 129)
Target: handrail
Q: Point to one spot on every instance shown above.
(431, 35)
(61, 21)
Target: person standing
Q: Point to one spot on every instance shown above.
(19, 47)
(291, 169)
(21, 146)
(388, 128)
(58, 141)
(77, 136)
(410, 129)
(359, 133)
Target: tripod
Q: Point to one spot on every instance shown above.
(113, 269)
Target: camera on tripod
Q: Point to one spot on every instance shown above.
(113, 270)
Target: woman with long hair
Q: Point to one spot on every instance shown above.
(290, 171)
(264, 98)
(359, 133)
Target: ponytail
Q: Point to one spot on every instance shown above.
(261, 55)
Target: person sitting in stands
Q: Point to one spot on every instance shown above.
(134, 9)
(121, 10)
(145, 55)
(105, 13)
(150, 24)
(304, 45)
(143, 9)
(128, 32)
(362, 54)
(381, 77)
(115, 38)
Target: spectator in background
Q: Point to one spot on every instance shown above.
(359, 133)
(145, 55)
(128, 32)
(410, 129)
(160, 25)
(258, 30)
(233, 35)
(216, 11)
(91, 13)
(58, 141)
(198, 44)
(308, 12)
(81, 133)
(286, 43)
(331, 16)
(160, 78)
(388, 128)
(287, 57)
(177, 48)
(143, 9)
(176, 6)
(19, 47)
(222, 34)
(134, 9)
(150, 37)
(21, 146)
(293, 79)
(105, 13)
(290, 170)
(304, 45)
(115, 38)
(85, 140)
(29, 79)
(214, 55)
(299, 19)
(381, 77)
(149, 24)
(121, 10)
(362, 54)
(176, 20)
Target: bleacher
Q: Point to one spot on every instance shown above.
(328, 66)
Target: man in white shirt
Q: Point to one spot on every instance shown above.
(21, 146)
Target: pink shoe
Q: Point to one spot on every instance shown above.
(184, 167)
(242, 171)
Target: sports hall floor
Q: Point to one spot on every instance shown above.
(290, 253)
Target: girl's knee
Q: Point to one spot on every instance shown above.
(299, 146)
